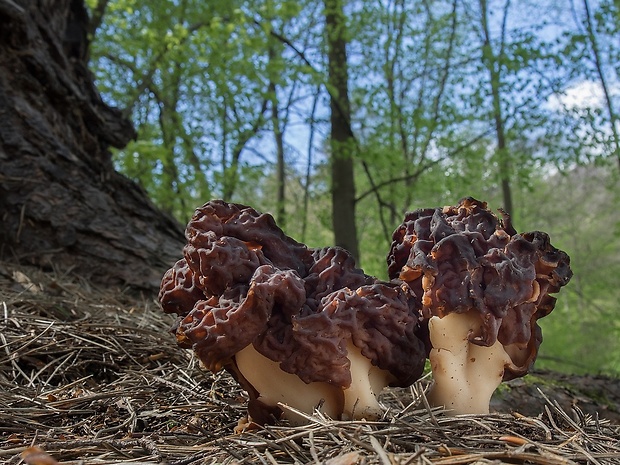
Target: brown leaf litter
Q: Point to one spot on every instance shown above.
(91, 376)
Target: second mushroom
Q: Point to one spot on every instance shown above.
(483, 288)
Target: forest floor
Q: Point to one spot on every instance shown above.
(93, 377)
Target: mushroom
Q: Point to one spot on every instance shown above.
(483, 288)
(295, 326)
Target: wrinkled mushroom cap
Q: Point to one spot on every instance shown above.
(464, 257)
(243, 282)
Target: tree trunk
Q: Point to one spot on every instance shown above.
(493, 64)
(341, 137)
(278, 135)
(62, 205)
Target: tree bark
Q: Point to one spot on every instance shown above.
(341, 138)
(62, 204)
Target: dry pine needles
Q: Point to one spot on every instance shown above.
(93, 377)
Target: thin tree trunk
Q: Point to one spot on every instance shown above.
(280, 163)
(96, 17)
(278, 136)
(341, 138)
(231, 170)
(169, 168)
(613, 117)
(308, 175)
(493, 65)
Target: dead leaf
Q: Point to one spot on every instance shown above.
(26, 282)
(350, 458)
(36, 456)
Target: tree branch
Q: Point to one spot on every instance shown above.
(613, 118)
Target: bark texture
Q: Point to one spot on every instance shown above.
(62, 204)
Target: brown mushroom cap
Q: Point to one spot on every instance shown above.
(464, 257)
(180, 289)
(243, 281)
(377, 318)
(227, 242)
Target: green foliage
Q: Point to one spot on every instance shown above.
(202, 81)
(195, 77)
(577, 209)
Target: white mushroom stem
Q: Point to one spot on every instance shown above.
(367, 382)
(277, 386)
(465, 374)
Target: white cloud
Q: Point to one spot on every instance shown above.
(580, 95)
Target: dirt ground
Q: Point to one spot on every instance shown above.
(92, 376)
(594, 395)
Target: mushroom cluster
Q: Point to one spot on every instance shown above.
(305, 328)
(293, 325)
(482, 287)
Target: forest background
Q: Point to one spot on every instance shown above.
(339, 116)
